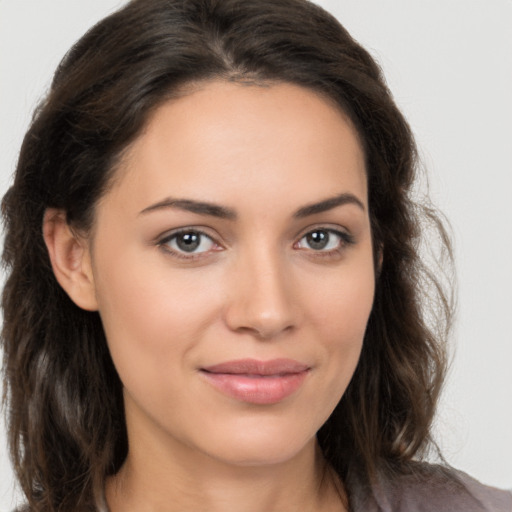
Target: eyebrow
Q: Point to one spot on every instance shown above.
(215, 210)
(328, 204)
(200, 207)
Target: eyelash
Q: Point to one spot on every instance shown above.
(345, 240)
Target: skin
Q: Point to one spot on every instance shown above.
(255, 288)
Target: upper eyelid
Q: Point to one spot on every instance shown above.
(168, 235)
(345, 236)
(333, 228)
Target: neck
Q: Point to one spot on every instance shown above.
(151, 481)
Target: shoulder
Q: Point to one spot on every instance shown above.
(431, 488)
(491, 498)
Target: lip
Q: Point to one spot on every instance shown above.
(257, 382)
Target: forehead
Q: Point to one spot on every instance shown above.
(221, 139)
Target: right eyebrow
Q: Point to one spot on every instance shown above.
(199, 207)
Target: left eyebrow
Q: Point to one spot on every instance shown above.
(328, 204)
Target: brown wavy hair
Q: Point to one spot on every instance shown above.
(62, 394)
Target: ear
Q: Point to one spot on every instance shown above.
(70, 259)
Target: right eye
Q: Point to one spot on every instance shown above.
(188, 242)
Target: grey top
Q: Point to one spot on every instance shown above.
(429, 488)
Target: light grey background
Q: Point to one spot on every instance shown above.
(449, 64)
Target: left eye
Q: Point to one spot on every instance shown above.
(321, 240)
(189, 242)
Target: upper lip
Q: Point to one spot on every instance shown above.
(256, 367)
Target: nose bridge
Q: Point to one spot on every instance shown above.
(262, 296)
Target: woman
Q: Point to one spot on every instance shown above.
(213, 297)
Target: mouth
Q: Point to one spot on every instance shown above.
(257, 382)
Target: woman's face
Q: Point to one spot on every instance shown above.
(233, 271)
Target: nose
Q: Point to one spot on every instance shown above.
(262, 300)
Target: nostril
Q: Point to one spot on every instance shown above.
(267, 332)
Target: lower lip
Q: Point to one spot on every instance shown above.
(256, 389)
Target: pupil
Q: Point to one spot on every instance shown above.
(318, 239)
(188, 241)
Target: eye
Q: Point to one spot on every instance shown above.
(188, 242)
(324, 240)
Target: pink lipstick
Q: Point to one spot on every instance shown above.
(257, 382)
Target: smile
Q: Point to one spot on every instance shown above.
(257, 382)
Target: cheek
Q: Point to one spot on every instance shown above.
(341, 302)
(340, 311)
(152, 318)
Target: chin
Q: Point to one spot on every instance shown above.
(261, 447)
